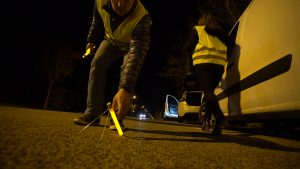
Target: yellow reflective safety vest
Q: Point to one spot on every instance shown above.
(209, 49)
(122, 34)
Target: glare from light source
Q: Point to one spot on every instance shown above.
(142, 116)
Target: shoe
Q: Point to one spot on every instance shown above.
(218, 126)
(86, 119)
(113, 127)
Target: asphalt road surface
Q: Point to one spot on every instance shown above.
(38, 139)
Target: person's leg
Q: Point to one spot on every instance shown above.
(209, 76)
(218, 71)
(212, 107)
(206, 117)
(105, 55)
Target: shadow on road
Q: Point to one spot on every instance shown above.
(242, 139)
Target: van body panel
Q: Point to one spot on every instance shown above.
(264, 67)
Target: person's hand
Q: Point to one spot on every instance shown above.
(90, 47)
(121, 103)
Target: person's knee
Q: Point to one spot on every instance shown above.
(99, 64)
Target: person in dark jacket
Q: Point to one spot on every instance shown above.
(126, 26)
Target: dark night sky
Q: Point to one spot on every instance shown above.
(28, 25)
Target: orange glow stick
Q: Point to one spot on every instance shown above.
(114, 117)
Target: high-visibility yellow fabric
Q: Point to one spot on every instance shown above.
(209, 49)
(122, 34)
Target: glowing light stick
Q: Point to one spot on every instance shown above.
(88, 51)
(114, 117)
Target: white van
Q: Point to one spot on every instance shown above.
(262, 77)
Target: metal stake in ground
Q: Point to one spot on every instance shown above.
(92, 121)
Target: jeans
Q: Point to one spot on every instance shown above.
(104, 56)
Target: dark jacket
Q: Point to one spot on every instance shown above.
(138, 47)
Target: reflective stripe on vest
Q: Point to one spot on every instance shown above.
(209, 49)
(122, 34)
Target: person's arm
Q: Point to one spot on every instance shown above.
(190, 44)
(130, 72)
(189, 48)
(96, 28)
(138, 48)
